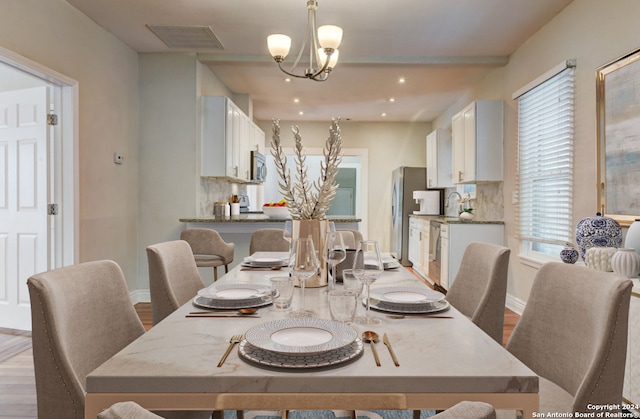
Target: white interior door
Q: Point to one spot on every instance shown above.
(24, 238)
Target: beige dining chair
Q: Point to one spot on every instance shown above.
(357, 237)
(347, 239)
(573, 334)
(480, 287)
(127, 410)
(468, 410)
(209, 249)
(268, 240)
(81, 316)
(173, 277)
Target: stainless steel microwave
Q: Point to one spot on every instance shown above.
(258, 167)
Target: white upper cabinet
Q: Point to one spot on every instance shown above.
(477, 133)
(228, 136)
(439, 159)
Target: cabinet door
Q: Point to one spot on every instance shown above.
(414, 245)
(444, 261)
(432, 160)
(233, 135)
(424, 248)
(469, 171)
(458, 144)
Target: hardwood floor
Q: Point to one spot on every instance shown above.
(17, 380)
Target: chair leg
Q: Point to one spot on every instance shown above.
(226, 268)
(284, 414)
(416, 414)
(217, 414)
(215, 273)
(240, 414)
(353, 414)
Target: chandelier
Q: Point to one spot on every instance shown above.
(323, 47)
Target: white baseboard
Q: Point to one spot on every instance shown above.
(514, 304)
(140, 296)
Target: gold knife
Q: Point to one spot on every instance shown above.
(385, 340)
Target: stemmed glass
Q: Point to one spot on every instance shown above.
(303, 264)
(287, 233)
(367, 267)
(335, 253)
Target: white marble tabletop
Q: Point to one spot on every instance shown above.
(452, 358)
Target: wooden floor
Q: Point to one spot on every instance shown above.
(17, 381)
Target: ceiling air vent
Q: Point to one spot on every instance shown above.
(193, 37)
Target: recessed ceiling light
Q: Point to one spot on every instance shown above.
(393, 99)
(383, 114)
(296, 100)
(287, 79)
(401, 80)
(300, 113)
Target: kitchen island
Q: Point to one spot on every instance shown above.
(237, 229)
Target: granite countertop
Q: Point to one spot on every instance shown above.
(258, 217)
(456, 220)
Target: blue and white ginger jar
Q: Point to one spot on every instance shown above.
(598, 231)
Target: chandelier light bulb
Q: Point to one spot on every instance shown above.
(279, 45)
(333, 60)
(329, 36)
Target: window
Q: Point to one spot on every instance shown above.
(545, 163)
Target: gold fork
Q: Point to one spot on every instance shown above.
(234, 339)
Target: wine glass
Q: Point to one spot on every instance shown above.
(367, 267)
(335, 253)
(287, 233)
(303, 264)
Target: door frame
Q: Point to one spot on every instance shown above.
(64, 180)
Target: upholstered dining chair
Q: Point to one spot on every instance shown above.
(347, 239)
(468, 410)
(268, 240)
(173, 277)
(480, 287)
(209, 249)
(357, 237)
(127, 410)
(573, 334)
(81, 316)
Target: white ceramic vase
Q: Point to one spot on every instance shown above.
(632, 239)
(626, 262)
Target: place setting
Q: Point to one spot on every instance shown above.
(408, 301)
(243, 298)
(265, 262)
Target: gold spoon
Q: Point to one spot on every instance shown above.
(372, 337)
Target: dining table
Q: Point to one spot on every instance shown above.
(442, 360)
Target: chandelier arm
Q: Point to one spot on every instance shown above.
(289, 73)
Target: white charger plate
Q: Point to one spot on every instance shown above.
(406, 295)
(234, 292)
(264, 262)
(426, 308)
(307, 335)
(204, 302)
(315, 360)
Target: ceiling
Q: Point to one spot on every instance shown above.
(441, 47)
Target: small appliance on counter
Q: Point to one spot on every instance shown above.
(430, 202)
(244, 203)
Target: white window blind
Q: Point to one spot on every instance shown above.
(545, 162)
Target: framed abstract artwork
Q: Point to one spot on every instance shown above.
(618, 132)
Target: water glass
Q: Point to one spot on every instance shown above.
(303, 264)
(282, 292)
(350, 282)
(367, 267)
(343, 304)
(335, 253)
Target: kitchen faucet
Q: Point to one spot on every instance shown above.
(449, 198)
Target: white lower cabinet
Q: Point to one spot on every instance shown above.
(419, 245)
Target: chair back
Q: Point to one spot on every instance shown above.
(468, 410)
(81, 316)
(206, 241)
(347, 239)
(480, 288)
(173, 277)
(573, 332)
(268, 240)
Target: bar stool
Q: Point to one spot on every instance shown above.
(209, 250)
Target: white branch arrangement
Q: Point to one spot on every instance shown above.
(308, 201)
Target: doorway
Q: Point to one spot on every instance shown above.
(38, 223)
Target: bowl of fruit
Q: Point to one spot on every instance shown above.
(276, 210)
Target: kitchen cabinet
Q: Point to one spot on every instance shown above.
(477, 142)
(439, 159)
(227, 137)
(419, 245)
(454, 239)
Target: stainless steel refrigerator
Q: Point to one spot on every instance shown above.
(405, 181)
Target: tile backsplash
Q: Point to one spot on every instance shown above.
(213, 190)
(488, 205)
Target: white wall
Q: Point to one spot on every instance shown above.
(594, 33)
(390, 145)
(57, 36)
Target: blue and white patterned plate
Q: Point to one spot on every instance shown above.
(234, 292)
(305, 360)
(204, 302)
(305, 335)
